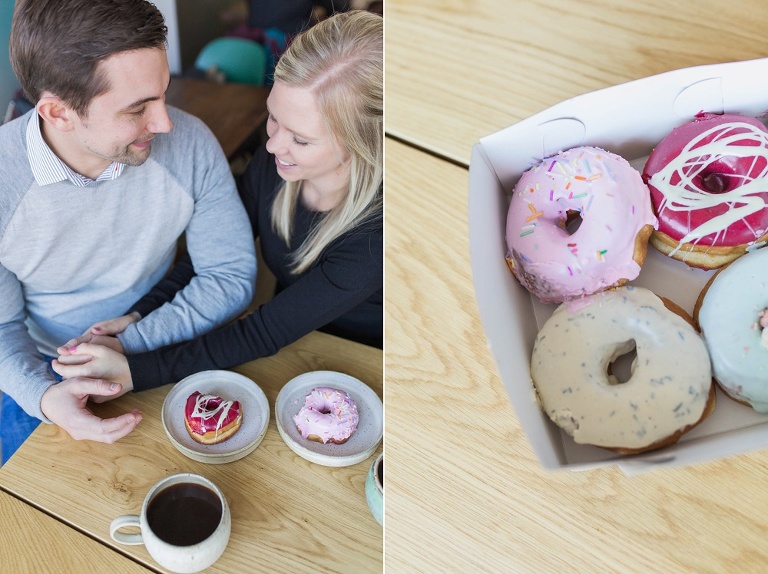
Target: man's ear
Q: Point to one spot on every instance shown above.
(55, 112)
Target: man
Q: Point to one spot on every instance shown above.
(95, 190)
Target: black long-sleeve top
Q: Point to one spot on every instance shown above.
(341, 293)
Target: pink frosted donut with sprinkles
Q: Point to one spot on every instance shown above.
(578, 223)
(328, 415)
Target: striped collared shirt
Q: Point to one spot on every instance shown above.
(48, 168)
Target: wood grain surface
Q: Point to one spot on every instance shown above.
(465, 492)
(460, 69)
(35, 542)
(288, 514)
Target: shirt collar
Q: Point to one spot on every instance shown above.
(46, 166)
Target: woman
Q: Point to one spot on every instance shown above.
(314, 197)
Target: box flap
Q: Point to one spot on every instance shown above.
(628, 119)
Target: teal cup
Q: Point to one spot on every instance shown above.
(374, 488)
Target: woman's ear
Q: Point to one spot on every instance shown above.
(55, 112)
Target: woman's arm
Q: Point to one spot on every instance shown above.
(259, 175)
(349, 275)
(305, 306)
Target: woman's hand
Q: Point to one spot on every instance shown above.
(102, 333)
(94, 361)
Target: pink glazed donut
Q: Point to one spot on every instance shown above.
(708, 185)
(328, 415)
(578, 223)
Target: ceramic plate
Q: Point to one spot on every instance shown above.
(230, 386)
(363, 441)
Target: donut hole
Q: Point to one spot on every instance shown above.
(211, 404)
(621, 366)
(762, 326)
(762, 319)
(728, 173)
(572, 221)
(717, 183)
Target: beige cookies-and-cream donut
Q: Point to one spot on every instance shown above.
(670, 389)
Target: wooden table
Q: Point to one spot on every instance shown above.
(288, 515)
(234, 112)
(460, 70)
(32, 541)
(465, 491)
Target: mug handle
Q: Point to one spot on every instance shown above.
(122, 537)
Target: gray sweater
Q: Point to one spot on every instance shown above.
(71, 256)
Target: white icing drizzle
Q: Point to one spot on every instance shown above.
(695, 158)
(201, 410)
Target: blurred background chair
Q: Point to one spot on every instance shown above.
(18, 106)
(234, 60)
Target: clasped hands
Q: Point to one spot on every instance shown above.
(94, 367)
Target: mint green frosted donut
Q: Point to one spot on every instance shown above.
(730, 323)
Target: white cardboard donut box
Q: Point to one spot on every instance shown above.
(630, 120)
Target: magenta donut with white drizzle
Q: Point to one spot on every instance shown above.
(709, 187)
(210, 419)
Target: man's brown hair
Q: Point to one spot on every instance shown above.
(56, 45)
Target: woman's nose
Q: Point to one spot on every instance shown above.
(276, 143)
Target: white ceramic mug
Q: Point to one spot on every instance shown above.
(172, 541)
(374, 488)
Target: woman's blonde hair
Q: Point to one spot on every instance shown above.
(340, 60)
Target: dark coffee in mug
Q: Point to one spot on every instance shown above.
(380, 471)
(184, 514)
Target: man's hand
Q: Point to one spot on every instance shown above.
(64, 404)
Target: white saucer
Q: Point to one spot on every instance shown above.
(363, 441)
(230, 386)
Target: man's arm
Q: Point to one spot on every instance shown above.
(179, 277)
(27, 379)
(25, 376)
(219, 241)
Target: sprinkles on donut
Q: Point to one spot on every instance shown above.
(578, 223)
(328, 416)
(670, 389)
